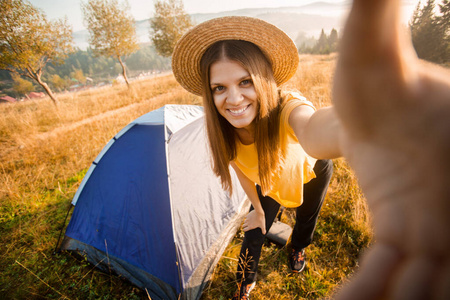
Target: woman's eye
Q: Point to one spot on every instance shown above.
(246, 82)
(218, 88)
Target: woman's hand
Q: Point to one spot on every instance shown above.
(254, 220)
(395, 115)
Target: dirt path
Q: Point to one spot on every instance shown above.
(105, 115)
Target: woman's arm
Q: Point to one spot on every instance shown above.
(317, 131)
(255, 218)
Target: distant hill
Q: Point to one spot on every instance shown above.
(307, 19)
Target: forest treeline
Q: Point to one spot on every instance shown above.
(83, 64)
(430, 31)
(100, 63)
(326, 44)
(429, 27)
(99, 68)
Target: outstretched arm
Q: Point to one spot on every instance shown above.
(395, 116)
(318, 131)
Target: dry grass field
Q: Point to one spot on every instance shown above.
(45, 152)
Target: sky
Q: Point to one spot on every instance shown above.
(143, 9)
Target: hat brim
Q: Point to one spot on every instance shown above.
(276, 45)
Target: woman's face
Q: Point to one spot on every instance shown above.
(233, 93)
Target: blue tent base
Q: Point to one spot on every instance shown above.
(156, 288)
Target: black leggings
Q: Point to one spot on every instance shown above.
(306, 218)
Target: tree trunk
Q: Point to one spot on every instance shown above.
(124, 73)
(47, 90)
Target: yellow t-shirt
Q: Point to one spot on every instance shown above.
(297, 167)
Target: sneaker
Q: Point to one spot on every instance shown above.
(297, 260)
(243, 292)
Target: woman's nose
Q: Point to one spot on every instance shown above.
(235, 96)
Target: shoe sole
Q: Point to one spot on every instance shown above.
(252, 286)
(299, 271)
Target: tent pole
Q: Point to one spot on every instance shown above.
(179, 270)
(62, 228)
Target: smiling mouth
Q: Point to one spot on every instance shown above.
(237, 112)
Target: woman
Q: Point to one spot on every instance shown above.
(271, 137)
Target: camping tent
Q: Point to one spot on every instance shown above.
(151, 209)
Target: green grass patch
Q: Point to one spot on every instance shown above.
(39, 177)
(29, 267)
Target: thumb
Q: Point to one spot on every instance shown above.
(263, 229)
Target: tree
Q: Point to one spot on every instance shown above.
(333, 40)
(21, 86)
(444, 26)
(322, 46)
(304, 44)
(78, 76)
(112, 30)
(427, 37)
(28, 41)
(168, 24)
(58, 83)
(444, 18)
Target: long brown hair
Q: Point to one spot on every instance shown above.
(221, 134)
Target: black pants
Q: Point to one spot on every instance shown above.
(306, 218)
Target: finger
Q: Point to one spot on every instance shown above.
(371, 281)
(247, 227)
(374, 23)
(374, 37)
(370, 57)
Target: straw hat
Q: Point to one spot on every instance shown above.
(274, 43)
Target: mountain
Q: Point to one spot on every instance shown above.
(307, 19)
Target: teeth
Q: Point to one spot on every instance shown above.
(238, 111)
